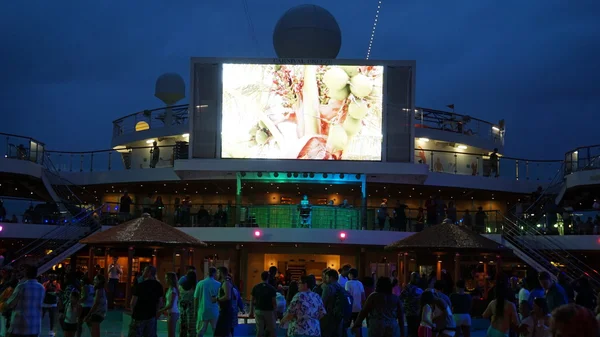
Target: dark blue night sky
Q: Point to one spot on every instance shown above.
(69, 68)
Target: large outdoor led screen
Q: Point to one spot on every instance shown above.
(302, 112)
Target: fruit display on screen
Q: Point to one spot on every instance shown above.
(313, 112)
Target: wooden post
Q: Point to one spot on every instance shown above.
(498, 266)
(457, 273)
(237, 271)
(174, 260)
(182, 260)
(399, 269)
(91, 266)
(131, 251)
(106, 261)
(486, 278)
(191, 257)
(154, 252)
(405, 270)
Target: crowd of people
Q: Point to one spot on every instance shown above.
(71, 303)
(434, 212)
(536, 306)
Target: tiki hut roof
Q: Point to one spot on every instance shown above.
(144, 231)
(447, 236)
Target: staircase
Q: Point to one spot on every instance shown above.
(541, 251)
(77, 222)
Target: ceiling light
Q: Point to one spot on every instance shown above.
(185, 135)
(495, 128)
(424, 139)
(150, 141)
(462, 147)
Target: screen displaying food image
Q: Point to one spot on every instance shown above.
(302, 112)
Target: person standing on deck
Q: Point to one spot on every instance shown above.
(208, 310)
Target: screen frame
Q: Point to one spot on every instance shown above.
(302, 61)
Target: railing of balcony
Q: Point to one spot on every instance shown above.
(457, 123)
(582, 159)
(480, 165)
(112, 160)
(22, 147)
(148, 119)
(288, 216)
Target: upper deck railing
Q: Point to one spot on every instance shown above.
(126, 158)
(473, 164)
(129, 158)
(480, 164)
(148, 119)
(22, 147)
(582, 159)
(424, 118)
(457, 123)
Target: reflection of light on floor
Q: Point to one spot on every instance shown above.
(113, 327)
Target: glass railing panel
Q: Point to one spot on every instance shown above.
(468, 164)
(442, 162)
(148, 119)
(113, 160)
(20, 147)
(457, 123)
(583, 158)
(481, 165)
(506, 167)
(541, 171)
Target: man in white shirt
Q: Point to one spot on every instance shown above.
(343, 277)
(114, 275)
(355, 288)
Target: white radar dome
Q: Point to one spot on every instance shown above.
(307, 31)
(170, 88)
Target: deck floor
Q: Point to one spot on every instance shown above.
(114, 326)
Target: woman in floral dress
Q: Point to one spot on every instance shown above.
(187, 320)
(304, 312)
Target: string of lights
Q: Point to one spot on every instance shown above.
(250, 25)
(374, 28)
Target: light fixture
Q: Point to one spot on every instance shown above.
(257, 234)
(150, 141)
(495, 128)
(342, 236)
(424, 139)
(185, 135)
(373, 30)
(462, 147)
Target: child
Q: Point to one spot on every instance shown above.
(526, 319)
(72, 312)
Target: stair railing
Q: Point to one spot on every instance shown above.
(555, 182)
(545, 249)
(60, 236)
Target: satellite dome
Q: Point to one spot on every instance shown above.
(170, 88)
(307, 31)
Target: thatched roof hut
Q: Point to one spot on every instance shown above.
(447, 237)
(144, 231)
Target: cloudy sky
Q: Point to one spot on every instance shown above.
(69, 68)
